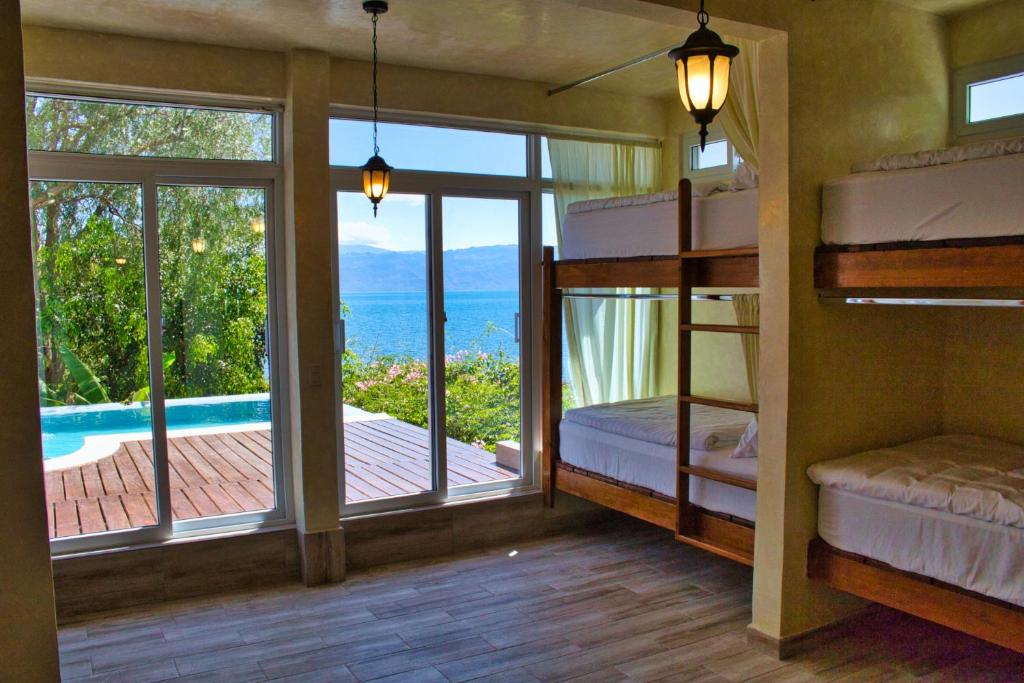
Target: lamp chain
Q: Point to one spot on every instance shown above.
(376, 149)
(702, 16)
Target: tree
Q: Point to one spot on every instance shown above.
(90, 274)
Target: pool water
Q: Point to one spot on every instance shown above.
(65, 429)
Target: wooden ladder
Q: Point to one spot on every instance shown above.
(693, 527)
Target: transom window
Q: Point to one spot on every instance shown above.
(995, 99)
(429, 148)
(90, 126)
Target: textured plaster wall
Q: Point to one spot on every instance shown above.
(850, 378)
(986, 33)
(984, 365)
(28, 630)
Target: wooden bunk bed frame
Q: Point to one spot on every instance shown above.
(978, 615)
(723, 535)
(981, 262)
(956, 263)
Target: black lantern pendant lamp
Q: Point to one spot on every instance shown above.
(702, 67)
(376, 172)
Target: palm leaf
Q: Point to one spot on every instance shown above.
(89, 388)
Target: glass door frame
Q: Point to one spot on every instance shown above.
(434, 187)
(149, 173)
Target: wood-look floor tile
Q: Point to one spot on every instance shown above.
(597, 606)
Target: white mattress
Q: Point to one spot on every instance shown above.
(723, 220)
(653, 466)
(969, 199)
(976, 555)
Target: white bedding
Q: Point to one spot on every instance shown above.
(979, 556)
(962, 474)
(647, 225)
(654, 420)
(967, 199)
(652, 465)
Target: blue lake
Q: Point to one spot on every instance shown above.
(395, 323)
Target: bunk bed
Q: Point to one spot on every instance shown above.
(928, 527)
(633, 250)
(946, 218)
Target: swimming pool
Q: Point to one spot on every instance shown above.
(65, 429)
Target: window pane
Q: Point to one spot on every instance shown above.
(545, 159)
(427, 148)
(996, 98)
(482, 337)
(93, 357)
(385, 370)
(57, 124)
(213, 286)
(714, 154)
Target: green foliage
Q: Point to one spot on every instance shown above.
(89, 388)
(481, 397)
(90, 269)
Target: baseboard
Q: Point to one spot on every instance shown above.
(798, 643)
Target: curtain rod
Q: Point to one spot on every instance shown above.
(615, 69)
(648, 297)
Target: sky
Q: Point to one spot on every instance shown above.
(997, 98)
(400, 223)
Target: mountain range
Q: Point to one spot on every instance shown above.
(365, 268)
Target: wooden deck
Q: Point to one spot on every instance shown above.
(220, 474)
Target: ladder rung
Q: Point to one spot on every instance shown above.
(704, 473)
(735, 555)
(719, 253)
(717, 403)
(735, 329)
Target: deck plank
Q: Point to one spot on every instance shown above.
(232, 472)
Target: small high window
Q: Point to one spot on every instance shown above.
(988, 99)
(717, 161)
(995, 99)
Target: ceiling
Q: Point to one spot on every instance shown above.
(550, 41)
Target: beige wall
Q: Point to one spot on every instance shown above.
(986, 33)
(28, 631)
(984, 373)
(853, 380)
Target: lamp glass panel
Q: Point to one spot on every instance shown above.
(681, 75)
(721, 82)
(698, 80)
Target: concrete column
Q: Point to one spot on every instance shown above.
(28, 627)
(311, 302)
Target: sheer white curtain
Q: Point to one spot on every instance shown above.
(738, 116)
(612, 344)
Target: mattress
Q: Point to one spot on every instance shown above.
(653, 466)
(648, 225)
(964, 200)
(970, 553)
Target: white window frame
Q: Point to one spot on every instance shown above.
(149, 173)
(967, 76)
(688, 141)
(441, 183)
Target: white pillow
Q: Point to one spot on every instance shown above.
(747, 447)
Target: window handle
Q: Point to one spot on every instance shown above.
(516, 328)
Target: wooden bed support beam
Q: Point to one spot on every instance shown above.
(977, 615)
(881, 266)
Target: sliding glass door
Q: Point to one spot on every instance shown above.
(385, 308)
(153, 316)
(216, 361)
(431, 302)
(482, 337)
(93, 345)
